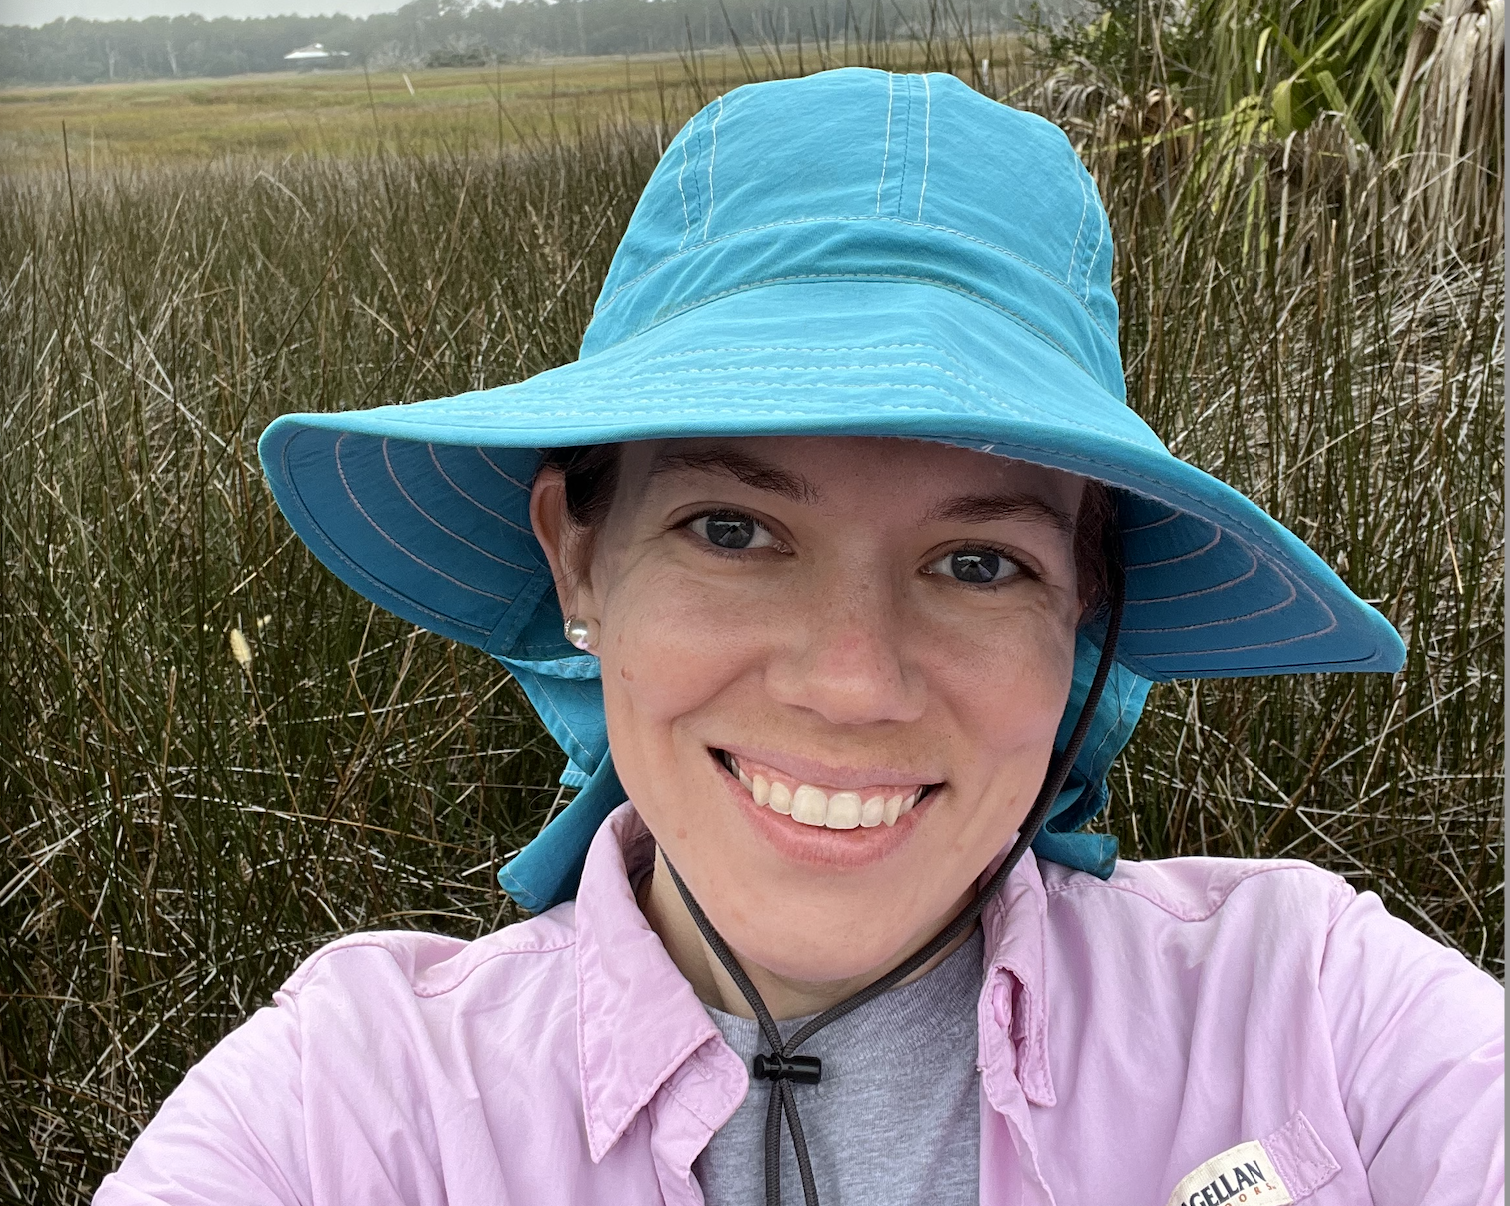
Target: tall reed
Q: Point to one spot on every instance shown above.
(213, 757)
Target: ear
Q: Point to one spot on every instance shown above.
(568, 548)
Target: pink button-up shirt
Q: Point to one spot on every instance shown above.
(1258, 1016)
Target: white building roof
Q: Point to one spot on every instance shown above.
(313, 51)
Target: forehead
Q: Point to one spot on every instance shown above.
(824, 470)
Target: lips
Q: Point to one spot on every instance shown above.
(821, 806)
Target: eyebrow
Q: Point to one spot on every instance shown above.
(760, 474)
(751, 470)
(986, 508)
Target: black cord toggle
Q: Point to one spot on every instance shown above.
(800, 1069)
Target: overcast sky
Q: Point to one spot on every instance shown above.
(39, 12)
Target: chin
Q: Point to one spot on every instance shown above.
(845, 956)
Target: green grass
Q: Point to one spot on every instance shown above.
(179, 832)
(329, 112)
(351, 112)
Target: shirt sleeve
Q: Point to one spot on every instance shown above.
(233, 1131)
(1418, 1035)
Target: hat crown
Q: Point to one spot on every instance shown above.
(864, 174)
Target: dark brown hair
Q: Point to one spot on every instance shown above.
(592, 476)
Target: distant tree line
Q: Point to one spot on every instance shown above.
(457, 33)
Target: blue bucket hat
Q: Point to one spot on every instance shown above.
(852, 253)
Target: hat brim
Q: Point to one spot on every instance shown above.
(424, 508)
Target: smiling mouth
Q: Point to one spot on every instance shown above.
(821, 807)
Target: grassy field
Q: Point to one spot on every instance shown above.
(447, 111)
(180, 830)
(329, 112)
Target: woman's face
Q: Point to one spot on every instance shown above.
(833, 670)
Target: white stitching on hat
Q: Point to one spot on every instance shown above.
(1158, 523)
(949, 230)
(582, 747)
(1085, 204)
(927, 140)
(784, 347)
(686, 217)
(635, 375)
(1294, 594)
(1242, 619)
(906, 149)
(712, 155)
(341, 472)
(1111, 730)
(1150, 600)
(393, 477)
(993, 399)
(1330, 663)
(1101, 228)
(658, 408)
(886, 154)
(603, 305)
(963, 408)
(667, 315)
(1205, 548)
(358, 570)
(767, 410)
(487, 460)
(805, 368)
(483, 507)
(995, 402)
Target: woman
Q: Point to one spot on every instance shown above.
(839, 554)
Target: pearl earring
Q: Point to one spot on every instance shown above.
(582, 633)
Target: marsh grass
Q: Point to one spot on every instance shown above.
(185, 819)
(184, 122)
(1278, 335)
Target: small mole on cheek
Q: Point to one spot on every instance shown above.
(626, 674)
(681, 833)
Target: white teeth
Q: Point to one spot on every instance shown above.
(809, 805)
(843, 810)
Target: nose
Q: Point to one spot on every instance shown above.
(845, 656)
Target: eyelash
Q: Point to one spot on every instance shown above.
(1005, 554)
(731, 513)
(735, 554)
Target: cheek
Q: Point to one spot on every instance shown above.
(1007, 696)
(1001, 704)
(670, 650)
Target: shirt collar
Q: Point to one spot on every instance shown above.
(640, 1025)
(1014, 1007)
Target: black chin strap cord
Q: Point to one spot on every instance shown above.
(784, 1067)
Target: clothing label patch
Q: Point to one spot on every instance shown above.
(1241, 1175)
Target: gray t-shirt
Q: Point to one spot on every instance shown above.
(896, 1117)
